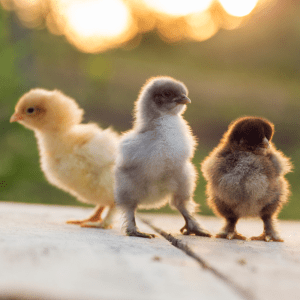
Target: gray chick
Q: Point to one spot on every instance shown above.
(153, 165)
(245, 175)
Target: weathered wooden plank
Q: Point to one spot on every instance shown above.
(41, 257)
(266, 270)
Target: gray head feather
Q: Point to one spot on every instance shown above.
(158, 97)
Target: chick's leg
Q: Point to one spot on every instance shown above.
(128, 188)
(96, 216)
(191, 225)
(270, 233)
(131, 228)
(106, 223)
(228, 231)
(183, 200)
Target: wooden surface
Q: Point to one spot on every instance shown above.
(41, 257)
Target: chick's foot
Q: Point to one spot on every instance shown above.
(272, 237)
(95, 217)
(140, 234)
(78, 222)
(98, 224)
(186, 230)
(230, 236)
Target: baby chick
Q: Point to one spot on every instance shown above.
(154, 160)
(77, 158)
(245, 175)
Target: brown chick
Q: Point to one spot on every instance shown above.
(245, 177)
(77, 158)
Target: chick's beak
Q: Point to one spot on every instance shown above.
(15, 118)
(183, 100)
(266, 143)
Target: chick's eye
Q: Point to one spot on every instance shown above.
(167, 94)
(30, 110)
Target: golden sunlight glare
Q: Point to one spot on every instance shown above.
(97, 17)
(95, 26)
(178, 8)
(238, 8)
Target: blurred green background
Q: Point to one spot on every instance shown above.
(252, 70)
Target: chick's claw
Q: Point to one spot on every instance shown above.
(267, 238)
(140, 234)
(230, 236)
(185, 230)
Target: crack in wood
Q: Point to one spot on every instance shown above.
(187, 250)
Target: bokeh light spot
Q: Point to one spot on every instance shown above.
(238, 8)
(201, 26)
(97, 17)
(178, 8)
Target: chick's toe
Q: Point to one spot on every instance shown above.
(140, 234)
(185, 230)
(98, 224)
(230, 236)
(267, 238)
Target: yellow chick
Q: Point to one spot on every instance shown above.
(77, 158)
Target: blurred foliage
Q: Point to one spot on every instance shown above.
(253, 70)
